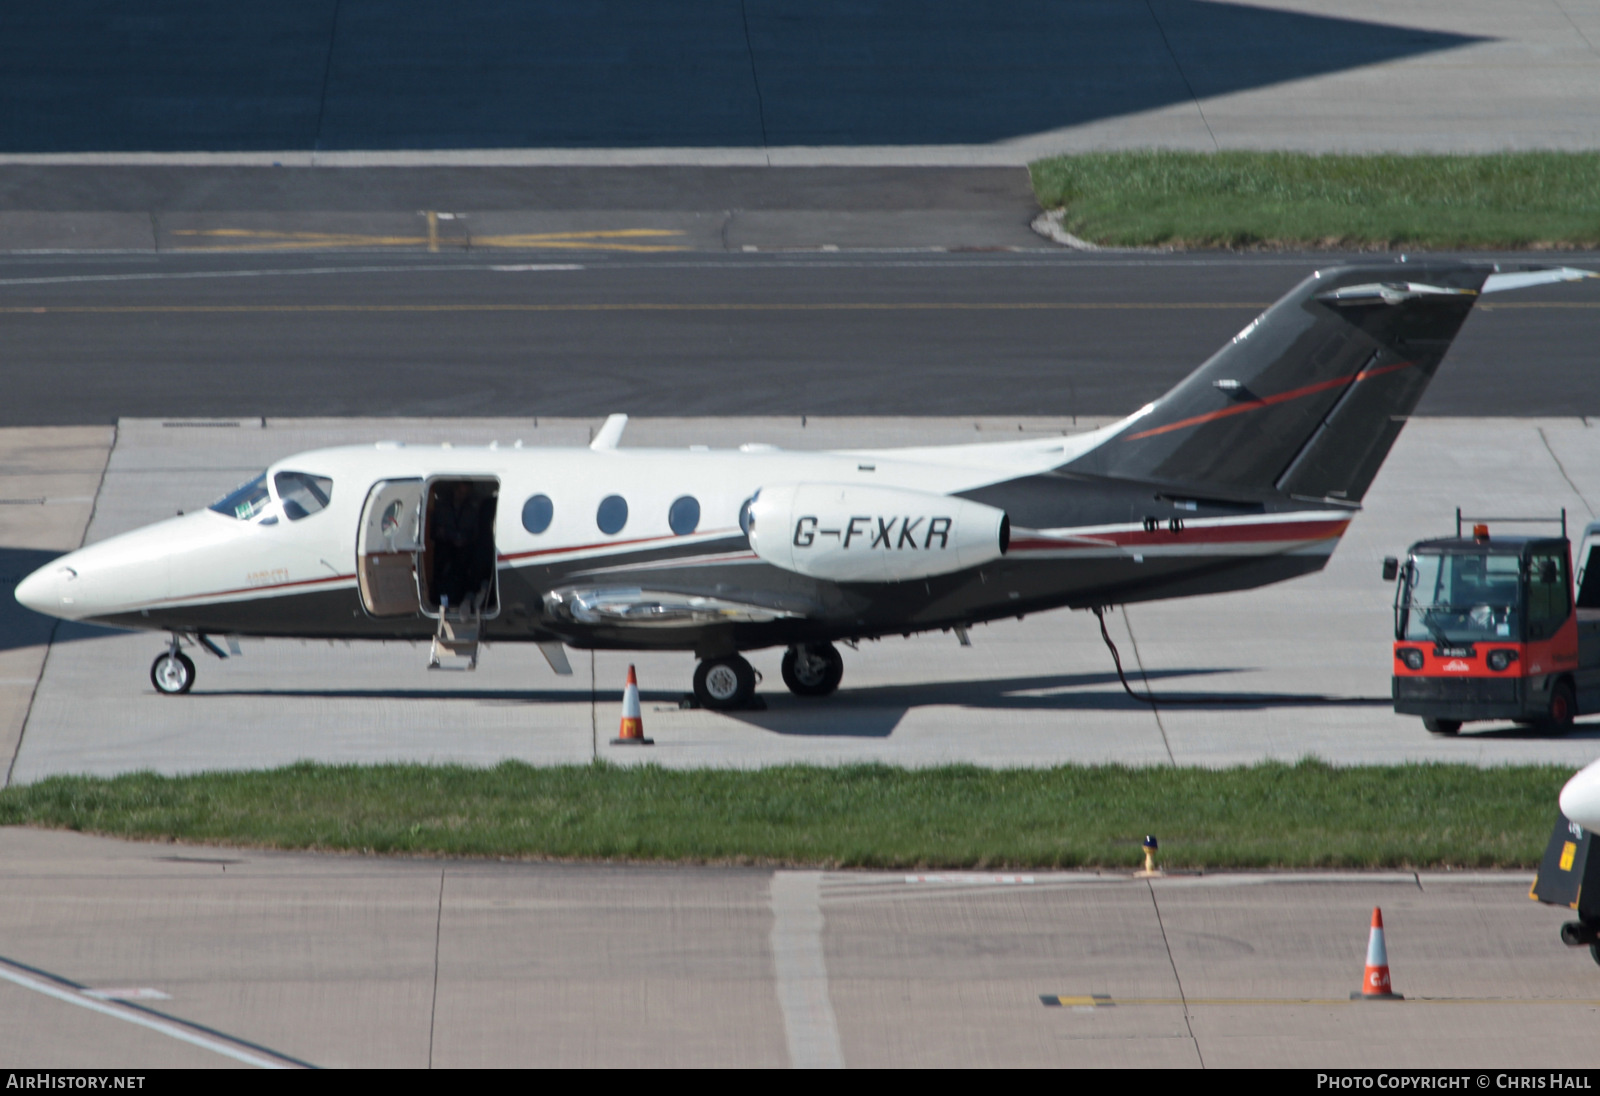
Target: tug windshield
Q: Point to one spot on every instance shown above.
(245, 501)
(1451, 598)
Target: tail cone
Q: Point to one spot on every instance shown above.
(631, 732)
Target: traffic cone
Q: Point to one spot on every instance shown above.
(632, 730)
(1375, 982)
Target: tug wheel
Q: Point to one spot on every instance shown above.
(1563, 706)
(172, 673)
(813, 670)
(724, 684)
(1442, 726)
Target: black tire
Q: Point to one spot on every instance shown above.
(724, 684)
(818, 673)
(172, 673)
(1442, 726)
(1594, 951)
(1563, 707)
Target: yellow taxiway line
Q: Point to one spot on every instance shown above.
(269, 240)
(638, 306)
(647, 306)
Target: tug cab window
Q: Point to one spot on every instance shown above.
(459, 558)
(1547, 594)
(246, 501)
(1456, 597)
(302, 494)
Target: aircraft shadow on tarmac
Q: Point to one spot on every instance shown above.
(636, 73)
(483, 696)
(875, 712)
(22, 627)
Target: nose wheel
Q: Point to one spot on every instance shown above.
(172, 673)
(812, 669)
(724, 684)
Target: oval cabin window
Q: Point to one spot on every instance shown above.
(612, 515)
(536, 514)
(684, 516)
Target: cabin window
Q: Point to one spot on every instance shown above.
(302, 494)
(612, 515)
(245, 501)
(684, 516)
(536, 514)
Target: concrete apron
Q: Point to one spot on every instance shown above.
(126, 955)
(1309, 658)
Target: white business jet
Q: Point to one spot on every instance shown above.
(1246, 473)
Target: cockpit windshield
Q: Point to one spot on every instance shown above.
(245, 501)
(1453, 598)
(302, 494)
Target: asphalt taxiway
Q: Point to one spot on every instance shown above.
(90, 339)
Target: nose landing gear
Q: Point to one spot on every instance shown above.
(172, 673)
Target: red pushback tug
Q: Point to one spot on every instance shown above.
(1485, 628)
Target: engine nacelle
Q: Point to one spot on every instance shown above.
(848, 533)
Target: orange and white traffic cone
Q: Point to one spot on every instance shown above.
(632, 731)
(1375, 982)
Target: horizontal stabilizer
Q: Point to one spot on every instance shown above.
(1524, 279)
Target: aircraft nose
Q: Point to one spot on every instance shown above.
(41, 591)
(1580, 799)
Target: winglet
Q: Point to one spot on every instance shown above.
(1522, 279)
(610, 433)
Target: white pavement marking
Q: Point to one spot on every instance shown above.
(170, 1028)
(808, 1021)
(129, 993)
(970, 879)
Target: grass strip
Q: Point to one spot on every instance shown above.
(1263, 816)
(1296, 200)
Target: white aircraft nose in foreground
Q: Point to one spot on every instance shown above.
(1246, 473)
(1580, 798)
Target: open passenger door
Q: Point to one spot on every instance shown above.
(387, 548)
(459, 564)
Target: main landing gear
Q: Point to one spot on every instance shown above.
(727, 682)
(812, 669)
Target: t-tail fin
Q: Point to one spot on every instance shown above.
(1307, 400)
